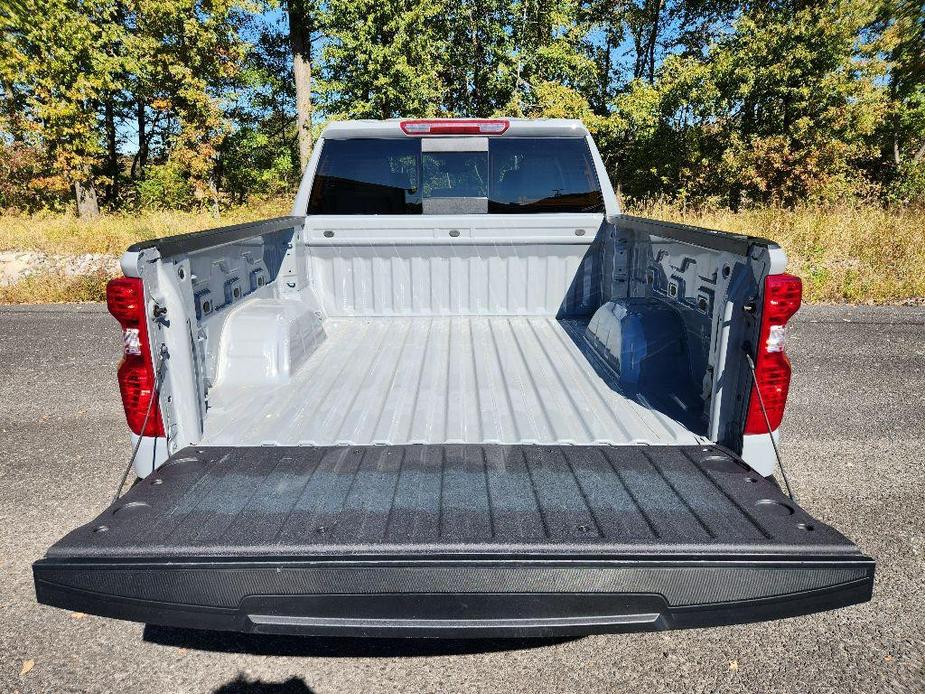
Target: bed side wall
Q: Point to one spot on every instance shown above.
(708, 280)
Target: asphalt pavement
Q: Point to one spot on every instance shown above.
(853, 442)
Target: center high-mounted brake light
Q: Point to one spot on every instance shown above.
(455, 126)
(782, 296)
(125, 300)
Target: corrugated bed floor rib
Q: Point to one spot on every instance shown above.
(442, 380)
(432, 500)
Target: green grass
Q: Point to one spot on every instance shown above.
(863, 254)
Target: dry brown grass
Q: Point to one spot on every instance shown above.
(55, 288)
(113, 233)
(862, 254)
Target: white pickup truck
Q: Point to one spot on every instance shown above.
(456, 393)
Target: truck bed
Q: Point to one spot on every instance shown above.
(433, 380)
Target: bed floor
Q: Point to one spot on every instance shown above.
(461, 379)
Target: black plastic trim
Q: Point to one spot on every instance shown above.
(497, 500)
(210, 238)
(738, 244)
(448, 609)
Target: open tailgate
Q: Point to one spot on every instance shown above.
(453, 540)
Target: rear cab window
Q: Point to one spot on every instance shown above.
(512, 175)
(367, 176)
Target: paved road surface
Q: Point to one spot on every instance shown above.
(855, 442)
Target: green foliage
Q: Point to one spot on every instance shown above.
(784, 108)
(166, 187)
(191, 103)
(908, 185)
(253, 164)
(549, 58)
(802, 101)
(59, 58)
(477, 72)
(183, 52)
(24, 180)
(383, 58)
(259, 156)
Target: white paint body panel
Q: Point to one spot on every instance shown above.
(758, 452)
(266, 341)
(152, 453)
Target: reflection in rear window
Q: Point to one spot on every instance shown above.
(455, 174)
(367, 177)
(521, 176)
(549, 174)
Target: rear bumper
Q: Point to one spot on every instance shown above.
(453, 597)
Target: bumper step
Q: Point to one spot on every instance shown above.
(452, 598)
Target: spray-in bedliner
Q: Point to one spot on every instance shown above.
(451, 499)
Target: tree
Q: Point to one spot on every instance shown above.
(261, 153)
(781, 108)
(186, 55)
(479, 56)
(801, 101)
(301, 15)
(13, 62)
(773, 101)
(900, 31)
(383, 58)
(550, 49)
(68, 60)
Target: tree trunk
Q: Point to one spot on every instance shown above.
(12, 112)
(919, 155)
(640, 60)
(653, 40)
(87, 205)
(141, 157)
(112, 154)
(605, 76)
(300, 43)
(477, 108)
(213, 193)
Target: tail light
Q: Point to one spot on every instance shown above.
(456, 126)
(782, 297)
(125, 299)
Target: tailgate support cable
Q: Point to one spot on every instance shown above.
(764, 412)
(144, 423)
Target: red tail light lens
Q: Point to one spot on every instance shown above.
(125, 299)
(457, 126)
(782, 297)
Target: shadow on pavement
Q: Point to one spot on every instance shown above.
(331, 647)
(241, 683)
